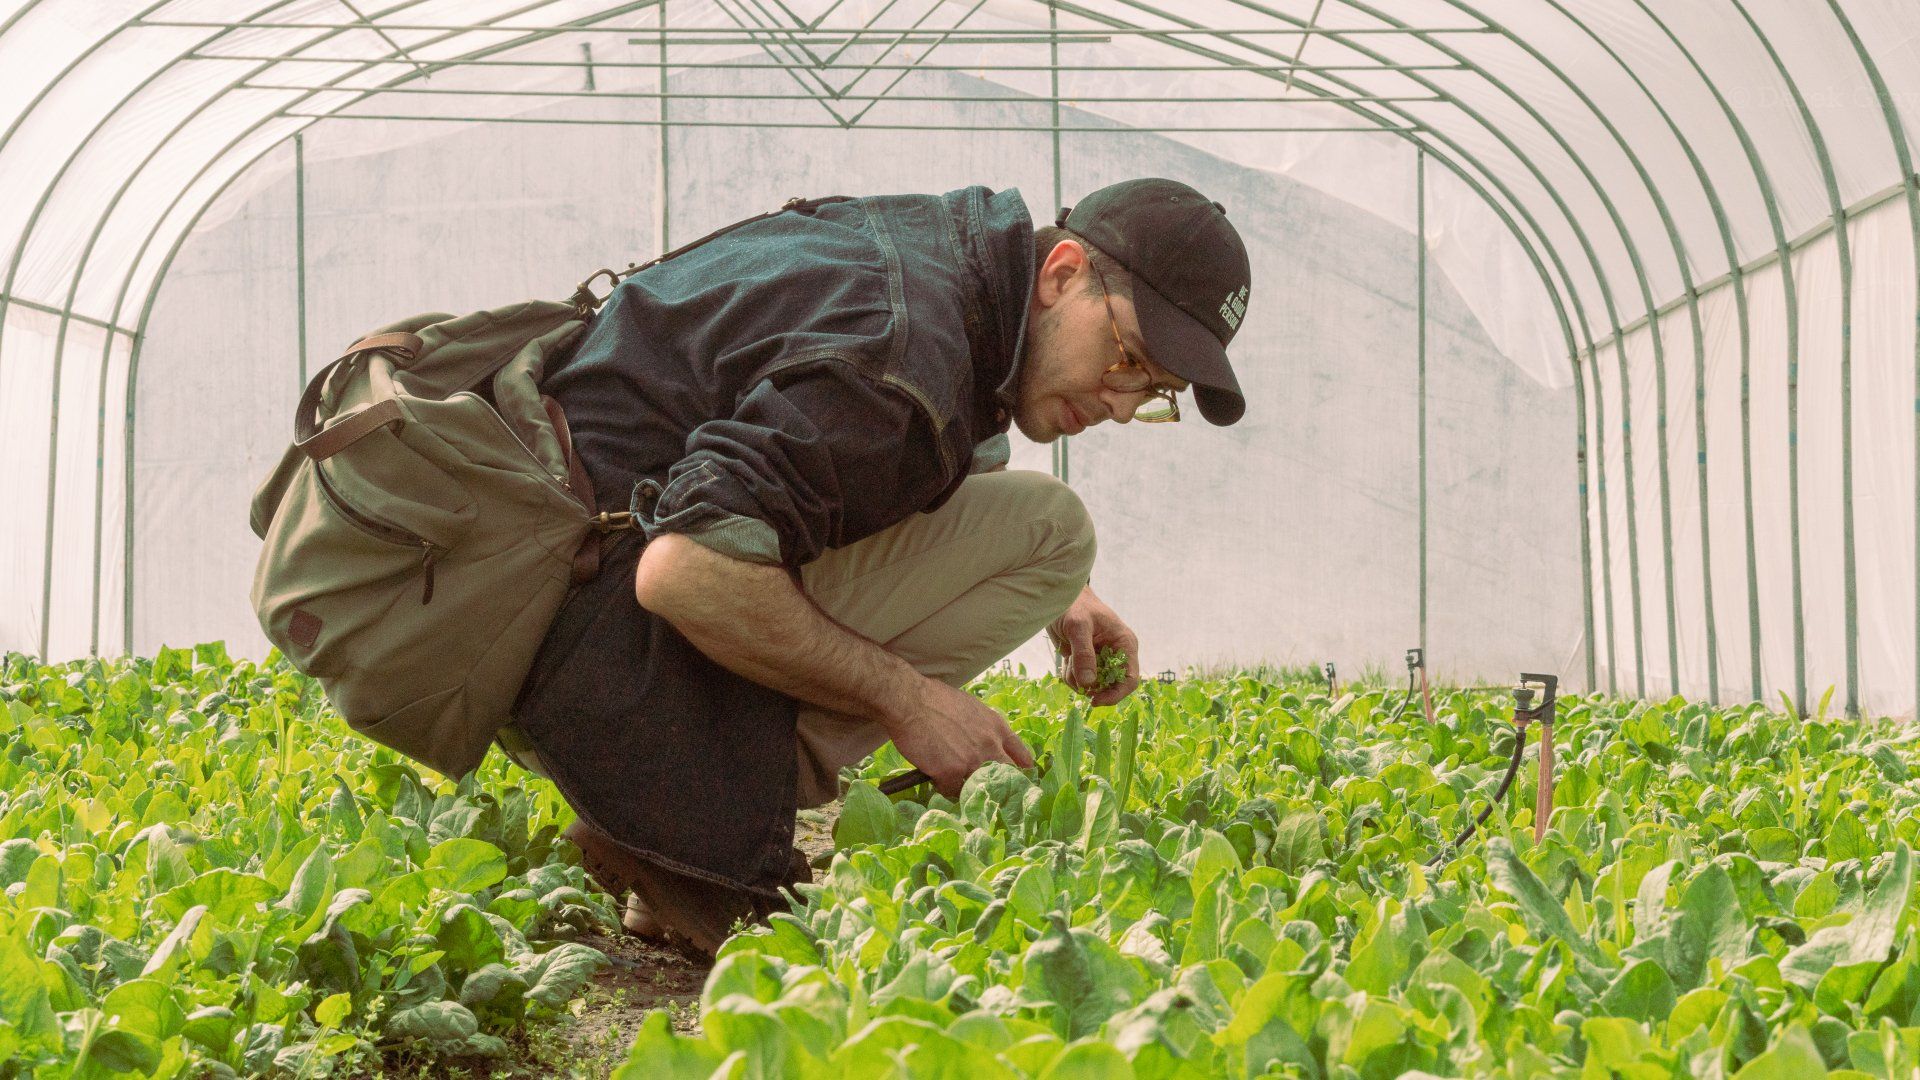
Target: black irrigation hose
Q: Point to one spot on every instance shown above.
(894, 785)
(1513, 768)
(1405, 701)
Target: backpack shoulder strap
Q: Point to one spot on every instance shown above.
(584, 295)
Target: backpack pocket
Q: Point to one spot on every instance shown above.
(394, 486)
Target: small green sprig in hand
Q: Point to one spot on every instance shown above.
(1112, 667)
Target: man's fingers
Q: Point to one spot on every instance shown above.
(1115, 694)
(1017, 750)
(1083, 653)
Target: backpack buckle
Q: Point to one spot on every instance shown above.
(583, 297)
(613, 521)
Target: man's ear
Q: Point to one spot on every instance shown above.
(1056, 274)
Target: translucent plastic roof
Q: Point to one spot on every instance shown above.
(1619, 154)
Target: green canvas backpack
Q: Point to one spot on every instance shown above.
(428, 520)
(426, 524)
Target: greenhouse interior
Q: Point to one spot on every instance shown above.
(1506, 666)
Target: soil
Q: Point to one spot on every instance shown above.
(642, 977)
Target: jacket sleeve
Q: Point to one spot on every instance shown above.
(814, 457)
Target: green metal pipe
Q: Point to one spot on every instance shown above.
(1772, 205)
(1793, 406)
(48, 309)
(66, 309)
(1059, 444)
(133, 265)
(1072, 37)
(1903, 158)
(1606, 540)
(300, 248)
(1000, 129)
(1420, 354)
(448, 64)
(664, 190)
(648, 95)
(1586, 521)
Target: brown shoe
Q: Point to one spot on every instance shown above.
(691, 914)
(616, 870)
(639, 921)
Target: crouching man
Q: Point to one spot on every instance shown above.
(808, 414)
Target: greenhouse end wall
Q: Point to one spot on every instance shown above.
(1289, 538)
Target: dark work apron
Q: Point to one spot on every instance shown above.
(680, 760)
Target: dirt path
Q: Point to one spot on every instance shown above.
(645, 977)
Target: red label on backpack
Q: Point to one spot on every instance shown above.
(305, 629)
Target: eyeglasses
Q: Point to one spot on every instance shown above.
(1129, 376)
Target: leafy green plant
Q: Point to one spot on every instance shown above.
(206, 875)
(1236, 887)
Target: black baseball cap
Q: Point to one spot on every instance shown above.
(1178, 244)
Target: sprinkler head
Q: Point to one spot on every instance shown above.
(1549, 683)
(1416, 658)
(1523, 697)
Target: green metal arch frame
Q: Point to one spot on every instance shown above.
(1538, 267)
(1903, 157)
(1783, 250)
(1792, 305)
(1678, 247)
(1793, 405)
(25, 238)
(1846, 417)
(1731, 252)
(1573, 295)
(66, 310)
(1484, 196)
(132, 382)
(1640, 276)
(60, 337)
(1521, 206)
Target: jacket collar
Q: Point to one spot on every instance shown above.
(1005, 239)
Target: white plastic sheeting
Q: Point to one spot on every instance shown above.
(1591, 161)
(1291, 537)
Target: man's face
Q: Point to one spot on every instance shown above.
(1070, 344)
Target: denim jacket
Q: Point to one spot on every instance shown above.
(794, 385)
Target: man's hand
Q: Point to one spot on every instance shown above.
(753, 620)
(947, 733)
(1079, 634)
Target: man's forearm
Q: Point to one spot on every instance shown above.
(753, 620)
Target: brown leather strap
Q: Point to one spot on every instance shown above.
(408, 344)
(322, 444)
(586, 558)
(351, 430)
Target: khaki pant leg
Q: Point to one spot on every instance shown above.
(950, 592)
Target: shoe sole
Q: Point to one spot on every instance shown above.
(610, 869)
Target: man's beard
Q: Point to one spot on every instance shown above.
(1030, 360)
